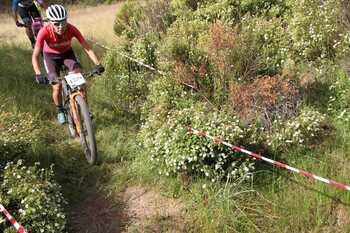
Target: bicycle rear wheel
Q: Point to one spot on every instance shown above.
(87, 134)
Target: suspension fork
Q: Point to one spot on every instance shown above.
(74, 109)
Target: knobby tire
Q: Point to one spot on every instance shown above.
(87, 134)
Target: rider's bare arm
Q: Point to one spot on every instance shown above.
(37, 50)
(35, 60)
(90, 53)
(14, 15)
(14, 9)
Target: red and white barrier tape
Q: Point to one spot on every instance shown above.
(128, 57)
(273, 162)
(141, 64)
(12, 220)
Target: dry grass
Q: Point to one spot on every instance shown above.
(265, 98)
(94, 22)
(222, 39)
(9, 32)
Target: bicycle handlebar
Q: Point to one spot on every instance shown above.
(90, 74)
(85, 75)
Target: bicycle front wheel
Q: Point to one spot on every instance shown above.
(87, 133)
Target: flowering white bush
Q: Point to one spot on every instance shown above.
(33, 197)
(174, 150)
(316, 31)
(297, 132)
(18, 131)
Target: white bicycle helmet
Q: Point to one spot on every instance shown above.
(56, 13)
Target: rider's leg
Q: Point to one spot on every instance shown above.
(57, 99)
(50, 62)
(34, 13)
(56, 94)
(30, 36)
(72, 63)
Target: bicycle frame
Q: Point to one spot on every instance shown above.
(70, 98)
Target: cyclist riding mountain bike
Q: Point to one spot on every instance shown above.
(55, 39)
(27, 10)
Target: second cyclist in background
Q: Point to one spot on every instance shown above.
(28, 11)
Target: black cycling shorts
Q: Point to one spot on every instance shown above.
(53, 63)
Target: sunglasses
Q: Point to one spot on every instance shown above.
(59, 23)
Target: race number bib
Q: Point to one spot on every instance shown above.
(75, 80)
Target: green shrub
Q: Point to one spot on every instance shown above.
(174, 150)
(269, 8)
(165, 95)
(33, 197)
(184, 57)
(124, 86)
(260, 48)
(128, 19)
(339, 101)
(268, 40)
(232, 11)
(186, 32)
(186, 4)
(226, 11)
(144, 49)
(180, 9)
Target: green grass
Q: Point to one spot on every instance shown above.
(17, 83)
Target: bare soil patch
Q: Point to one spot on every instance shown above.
(149, 211)
(134, 210)
(97, 214)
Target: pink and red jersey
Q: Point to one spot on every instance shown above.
(57, 44)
